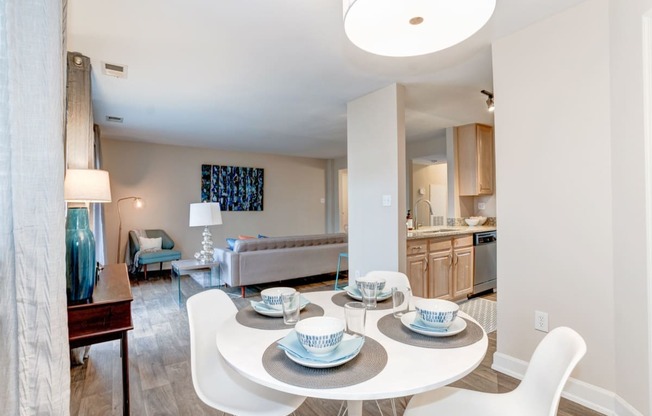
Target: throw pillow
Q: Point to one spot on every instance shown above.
(150, 244)
(230, 242)
(245, 237)
(262, 236)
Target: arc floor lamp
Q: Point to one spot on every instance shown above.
(138, 203)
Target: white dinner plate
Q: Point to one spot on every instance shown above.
(278, 313)
(355, 294)
(316, 364)
(456, 327)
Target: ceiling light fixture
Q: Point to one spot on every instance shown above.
(401, 28)
(490, 100)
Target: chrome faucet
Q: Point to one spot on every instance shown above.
(416, 212)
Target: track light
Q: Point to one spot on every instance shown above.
(490, 100)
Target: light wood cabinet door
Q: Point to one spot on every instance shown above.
(417, 272)
(440, 274)
(475, 159)
(485, 148)
(462, 272)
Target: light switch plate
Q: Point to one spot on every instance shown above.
(387, 200)
(482, 206)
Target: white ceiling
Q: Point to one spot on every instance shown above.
(270, 76)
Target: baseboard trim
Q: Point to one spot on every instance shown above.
(588, 395)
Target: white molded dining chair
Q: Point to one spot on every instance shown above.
(537, 395)
(217, 384)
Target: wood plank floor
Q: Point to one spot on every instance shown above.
(159, 361)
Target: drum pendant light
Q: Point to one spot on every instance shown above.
(402, 28)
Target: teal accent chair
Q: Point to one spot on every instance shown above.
(165, 254)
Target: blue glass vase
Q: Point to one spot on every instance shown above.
(80, 256)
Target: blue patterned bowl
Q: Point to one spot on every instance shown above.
(272, 296)
(436, 313)
(320, 335)
(378, 281)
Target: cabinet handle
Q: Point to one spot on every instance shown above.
(456, 259)
(425, 265)
(450, 260)
(416, 248)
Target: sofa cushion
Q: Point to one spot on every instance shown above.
(158, 256)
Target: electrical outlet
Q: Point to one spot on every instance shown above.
(541, 321)
(482, 206)
(357, 273)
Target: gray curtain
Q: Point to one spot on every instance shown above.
(34, 355)
(98, 209)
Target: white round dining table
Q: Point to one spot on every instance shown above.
(409, 369)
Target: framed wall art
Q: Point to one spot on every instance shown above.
(235, 188)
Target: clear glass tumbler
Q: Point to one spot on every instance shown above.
(355, 317)
(291, 307)
(369, 292)
(401, 300)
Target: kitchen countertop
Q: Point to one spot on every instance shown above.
(432, 232)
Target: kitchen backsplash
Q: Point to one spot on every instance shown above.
(459, 222)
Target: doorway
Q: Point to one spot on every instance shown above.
(342, 182)
(430, 183)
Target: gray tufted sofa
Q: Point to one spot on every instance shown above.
(265, 260)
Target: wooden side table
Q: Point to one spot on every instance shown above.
(180, 267)
(106, 318)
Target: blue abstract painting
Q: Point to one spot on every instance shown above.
(235, 188)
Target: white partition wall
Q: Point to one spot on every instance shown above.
(376, 171)
(570, 160)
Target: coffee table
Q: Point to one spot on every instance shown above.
(180, 267)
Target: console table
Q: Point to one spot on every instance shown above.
(106, 318)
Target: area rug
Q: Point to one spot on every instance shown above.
(482, 310)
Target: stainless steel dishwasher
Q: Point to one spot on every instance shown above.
(485, 274)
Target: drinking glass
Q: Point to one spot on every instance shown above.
(355, 316)
(401, 300)
(368, 290)
(291, 309)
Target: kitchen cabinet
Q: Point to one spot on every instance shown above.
(417, 267)
(463, 263)
(475, 159)
(441, 267)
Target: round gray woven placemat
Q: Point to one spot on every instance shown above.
(394, 329)
(367, 364)
(247, 316)
(341, 298)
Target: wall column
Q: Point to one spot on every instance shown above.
(376, 171)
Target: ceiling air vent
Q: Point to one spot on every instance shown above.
(114, 70)
(114, 119)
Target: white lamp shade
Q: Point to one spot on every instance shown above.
(204, 214)
(402, 28)
(87, 185)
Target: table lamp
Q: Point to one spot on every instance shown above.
(205, 214)
(82, 186)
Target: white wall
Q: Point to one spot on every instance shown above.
(554, 200)
(169, 178)
(376, 167)
(628, 173)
